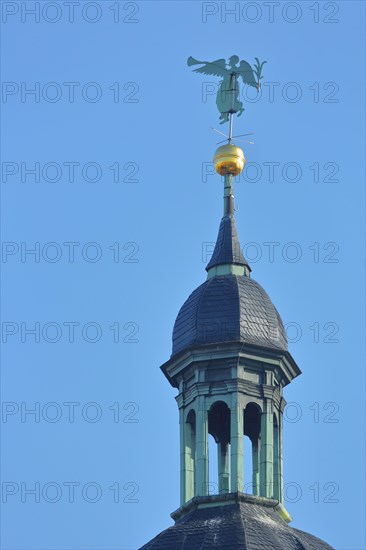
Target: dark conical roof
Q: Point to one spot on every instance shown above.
(227, 249)
(242, 524)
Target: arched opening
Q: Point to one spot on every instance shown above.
(219, 428)
(213, 474)
(190, 444)
(252, 429)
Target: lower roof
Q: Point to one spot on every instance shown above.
(239, 524)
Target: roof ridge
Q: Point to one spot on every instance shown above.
(238, 304)
(206, 284)
(244, 530)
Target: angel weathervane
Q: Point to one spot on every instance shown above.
(227, 99)
(229, 159)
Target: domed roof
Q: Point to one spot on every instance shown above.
(238, 526)
(229, 308)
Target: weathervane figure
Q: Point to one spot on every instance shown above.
(229, 159)
(227, 99)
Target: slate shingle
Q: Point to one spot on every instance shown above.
(229, 308)
(237, 526)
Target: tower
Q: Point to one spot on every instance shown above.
(230, 363)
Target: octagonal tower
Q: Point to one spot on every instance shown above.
(230, 363)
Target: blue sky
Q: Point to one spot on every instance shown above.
(119, 213)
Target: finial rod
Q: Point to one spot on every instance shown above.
(232, 106)
(228, 195)
(230, 138)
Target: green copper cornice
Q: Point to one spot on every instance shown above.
(227, 269)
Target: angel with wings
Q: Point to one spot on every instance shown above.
(227, 99)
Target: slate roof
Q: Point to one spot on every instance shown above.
(229, 308)
(237, 526)
(227, 249)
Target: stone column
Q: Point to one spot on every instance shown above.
(187, 457)
(266, 454)
(237, 444)
(182, 458)
(276, 462)
(280, 458)
(201, 448)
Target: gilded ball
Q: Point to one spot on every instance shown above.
(229, 159)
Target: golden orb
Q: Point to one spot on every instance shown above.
(229, 159)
